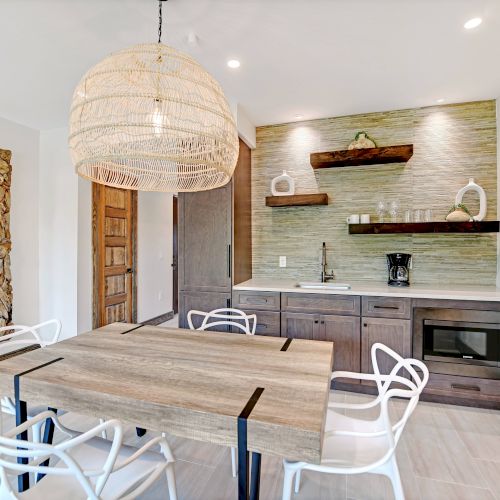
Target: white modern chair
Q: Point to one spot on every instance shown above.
(357, 446)
(225, 317)
(83, 466)
(20, 336)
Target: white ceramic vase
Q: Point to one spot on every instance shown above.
(286, 178)
(472, 186)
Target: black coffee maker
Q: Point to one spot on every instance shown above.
(398, 265)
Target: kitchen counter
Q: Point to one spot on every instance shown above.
(479, 293)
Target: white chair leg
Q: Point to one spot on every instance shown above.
(396, 479)
(233, 461)
(287, 482)
(104, 435)
(172, 488)
(37, 432)
(297, 481)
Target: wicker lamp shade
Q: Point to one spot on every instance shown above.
(151, 118)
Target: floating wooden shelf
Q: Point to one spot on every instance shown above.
(488, 226)
(297, 200)
(359, 157)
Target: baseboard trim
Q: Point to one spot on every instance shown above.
(158, 320)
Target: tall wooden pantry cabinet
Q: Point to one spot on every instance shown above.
(215, 241)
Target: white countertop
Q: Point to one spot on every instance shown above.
(480, 293)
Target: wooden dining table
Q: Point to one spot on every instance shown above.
(261, 394)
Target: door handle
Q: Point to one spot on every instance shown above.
(463, 387)
(129, 270)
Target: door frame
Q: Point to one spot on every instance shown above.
(98, 216)
(175, 255)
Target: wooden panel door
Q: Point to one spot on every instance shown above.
(114, 244)
(345, 333)
(394, 333)
(299, 325)
(201, 301)
(205, 240)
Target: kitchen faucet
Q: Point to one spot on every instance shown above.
(325, 276)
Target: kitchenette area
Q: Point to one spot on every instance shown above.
(365, 249)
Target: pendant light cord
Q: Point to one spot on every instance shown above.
(160, 18)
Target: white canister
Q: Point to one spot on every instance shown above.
(365, 218)
(353, 219)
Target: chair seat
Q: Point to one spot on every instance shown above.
(352, 451)
(91, 455)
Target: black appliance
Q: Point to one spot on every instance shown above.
(398, 265)
(458, 342)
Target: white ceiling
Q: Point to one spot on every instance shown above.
(316, 58)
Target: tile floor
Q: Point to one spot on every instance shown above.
(445, 453)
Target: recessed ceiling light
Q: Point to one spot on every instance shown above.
(233, 63)
(473, 23)
(439, 101)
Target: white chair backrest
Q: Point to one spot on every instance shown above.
(224, 317)
(36, 453)
(396, 384)
(21, 335)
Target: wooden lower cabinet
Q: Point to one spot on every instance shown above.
(299, 325)
(201, 301)
(268, 322)
(342, 330)
(394, 333)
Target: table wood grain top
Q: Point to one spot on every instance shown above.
(189, 383)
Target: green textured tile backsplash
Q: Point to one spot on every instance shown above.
(451, 144)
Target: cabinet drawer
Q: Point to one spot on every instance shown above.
(268, 323)
(261, 301)
(465, 387)
(348, 305)
(386, 307)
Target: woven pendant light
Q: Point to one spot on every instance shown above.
(151, 118)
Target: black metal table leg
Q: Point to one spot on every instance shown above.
(23, 480)
(243, 455)
(140, 431)
(48, 436)
(21, 417)
(243, 463)
(255, 480)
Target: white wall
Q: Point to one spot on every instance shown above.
(154, 255)
(24, 144)
(58, 231)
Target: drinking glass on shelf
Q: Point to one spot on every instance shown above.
(407, 216)
(417, 215)
(381, 210)
(394, 210)
(428, 215)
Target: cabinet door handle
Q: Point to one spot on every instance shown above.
(316, 321)
(322, 322)
(385, 307)
(365, 324)
(256, 300)
(261, 325)
(464, 387)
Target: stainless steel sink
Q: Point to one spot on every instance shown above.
(324, 286)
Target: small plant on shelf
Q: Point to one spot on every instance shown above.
(459, 213)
